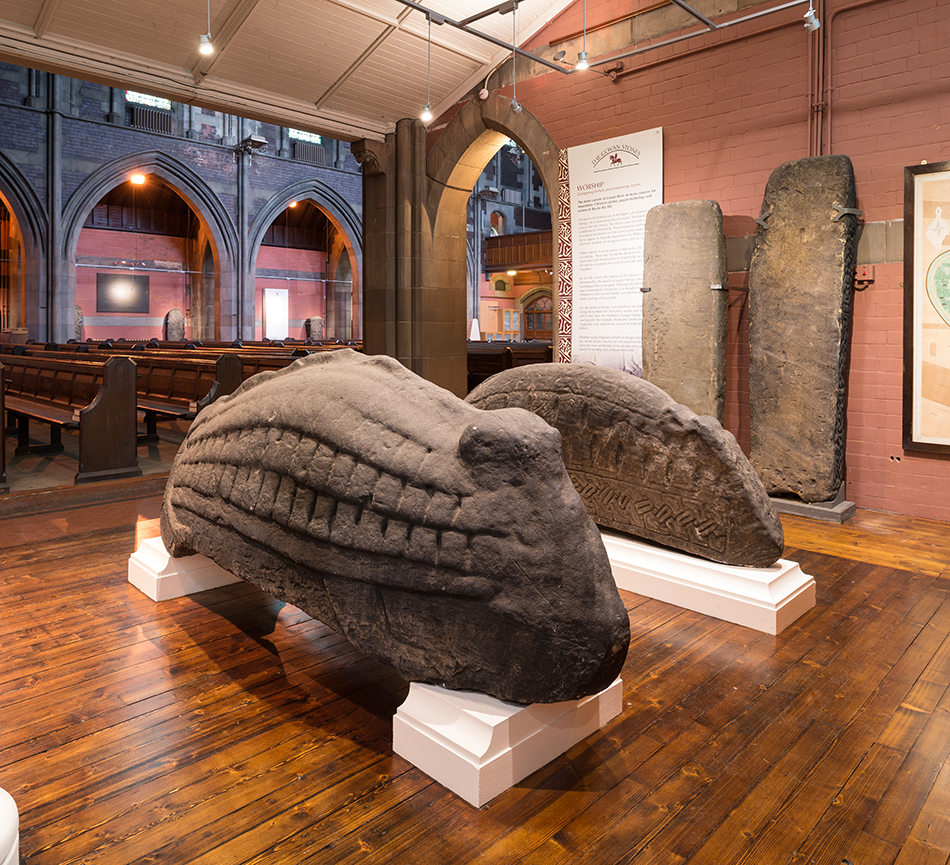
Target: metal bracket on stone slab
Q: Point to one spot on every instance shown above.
(846, 211)
(644, 289)
(762, 221)
(719, 287)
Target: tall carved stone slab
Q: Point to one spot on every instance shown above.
(800, 285)
(175, 325)
(443, 540)
(645, 465)
(685, 311)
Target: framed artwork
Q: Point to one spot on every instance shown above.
(121, 293)
(927, 308)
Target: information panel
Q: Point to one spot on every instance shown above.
(613, 184)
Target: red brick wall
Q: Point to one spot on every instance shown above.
(734, 106)
(101, 248)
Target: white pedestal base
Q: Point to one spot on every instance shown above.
(9, 830)
(767, 599)
(478, 746)
(153, 571)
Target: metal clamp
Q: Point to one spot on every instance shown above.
(845, 211)
(761, 221)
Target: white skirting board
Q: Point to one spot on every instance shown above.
(478, 746)
(767, 599)
(153, 571)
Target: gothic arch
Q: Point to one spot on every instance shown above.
(214, 219)
(346, 220)
(34, 228)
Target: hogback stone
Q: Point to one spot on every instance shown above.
(800, 285)
(686, 309)
(443, 540)
(644, 464)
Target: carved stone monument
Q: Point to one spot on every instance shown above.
(645, 465)
(175, 325)
(800, 285)
(77, 330)
(685, 310)
(441, 539)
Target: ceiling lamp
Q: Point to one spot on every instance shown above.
(204, 42)
(426, 115)
(137, 179)
(582, 55)
(811, 19)
(515, 104)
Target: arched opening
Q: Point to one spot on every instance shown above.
(138, 257)
(307, 260)
(470, 141)
(12, 277)
(179, 212)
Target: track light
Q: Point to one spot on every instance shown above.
(811, 19)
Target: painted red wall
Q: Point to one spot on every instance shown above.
(307, 296)
(733, 107)
(100, 248)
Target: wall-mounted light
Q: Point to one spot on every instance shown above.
(292, 204)
(137, 179)
(511, 272)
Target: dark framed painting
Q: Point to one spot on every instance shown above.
(926, 424)
(120, 292)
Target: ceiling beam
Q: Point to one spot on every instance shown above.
(45, 18)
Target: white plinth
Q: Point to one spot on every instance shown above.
(478, 746)
(767, 599)
(155, 572)
(9, 830)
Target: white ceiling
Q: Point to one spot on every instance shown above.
(346, 68)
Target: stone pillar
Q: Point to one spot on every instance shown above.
(32, 89)
(283, 146)
(116, 106)
(57, 305)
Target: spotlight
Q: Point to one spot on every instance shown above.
(204, 44)
(426, 115)
(292, 204)
(581, 60)
(811, 19)
(516, 106)
(137, 179)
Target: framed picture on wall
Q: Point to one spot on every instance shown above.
(927, 307)
(120, 292)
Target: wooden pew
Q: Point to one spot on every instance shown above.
(168, 385)
(4, 486)
(95, 397)
(487, 358)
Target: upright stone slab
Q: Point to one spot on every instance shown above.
(175, 326)
(800, 285)
(77, 330)
(685, 310)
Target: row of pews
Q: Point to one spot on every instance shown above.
(102, 388)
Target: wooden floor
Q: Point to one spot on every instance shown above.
(227, 728)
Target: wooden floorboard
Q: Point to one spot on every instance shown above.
(231, 729)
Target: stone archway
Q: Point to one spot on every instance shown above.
(414, 212)
(32, 291)
(216, 226)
